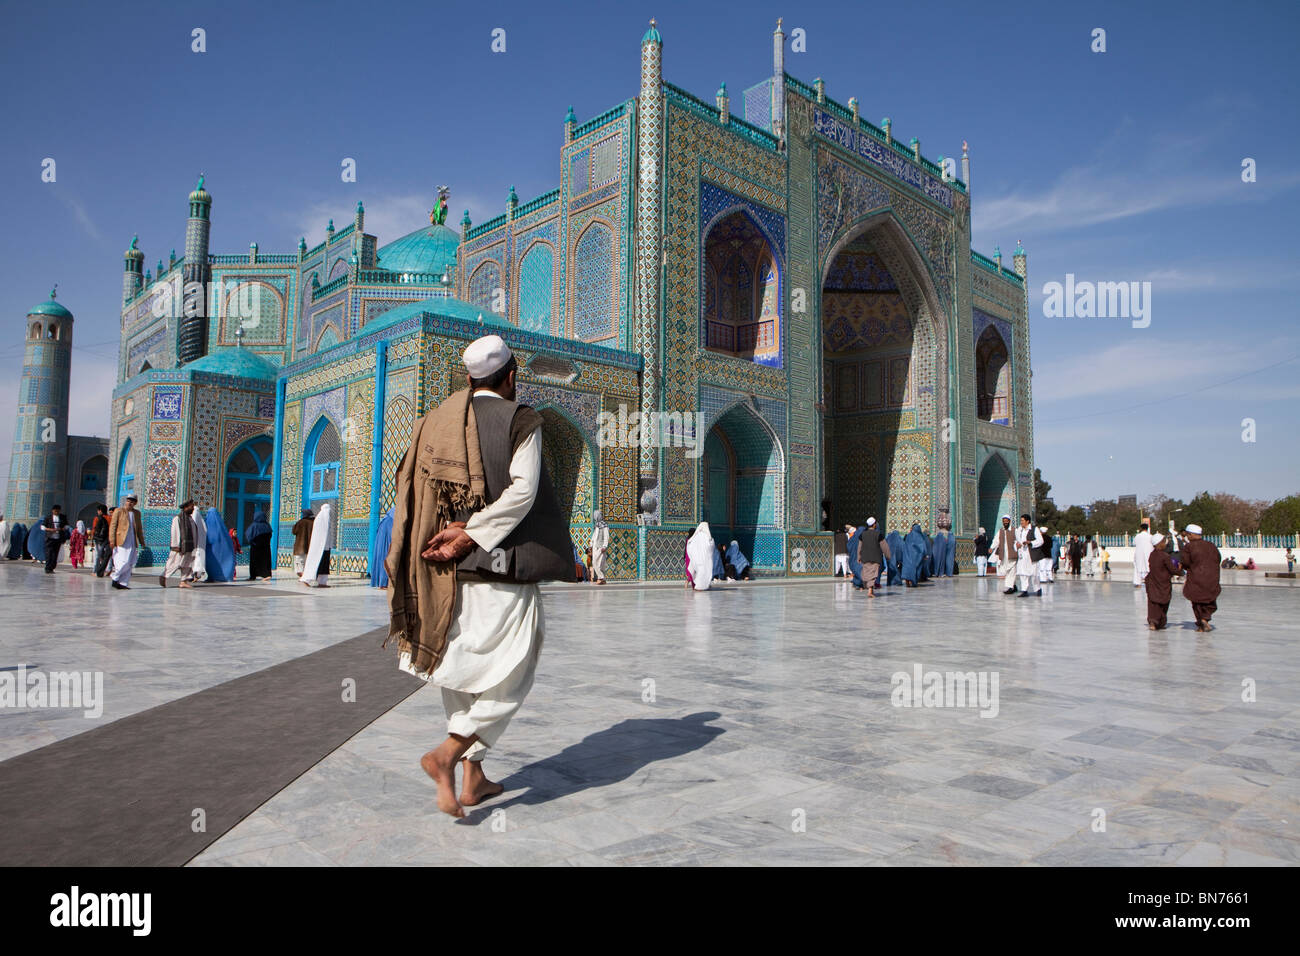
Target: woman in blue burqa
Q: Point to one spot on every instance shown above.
(895, 559)
(220, 548)
(915, 549)
(739, 563)
(17, 541)
(379, 551)
(855, 566)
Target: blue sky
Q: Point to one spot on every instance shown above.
(1115, 166)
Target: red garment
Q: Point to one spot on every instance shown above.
(77, 548)
(234, 538)
(686, 557)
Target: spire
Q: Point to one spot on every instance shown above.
(965, 164)
(652, 35)
(54, 292)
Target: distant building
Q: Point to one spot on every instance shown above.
(48, 466)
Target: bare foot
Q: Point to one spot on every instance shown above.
(440, 764)
(477, 787)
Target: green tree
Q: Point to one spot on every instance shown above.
(1105, 517)
(1240, 514)
(1204, 511)
(1045, 508)
(1074, 520)
(1281, 517)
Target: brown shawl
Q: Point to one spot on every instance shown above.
(441, 474)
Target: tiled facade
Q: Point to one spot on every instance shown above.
(798, 279)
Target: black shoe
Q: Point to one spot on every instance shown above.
(115, 585)
(1024, 594)
(162, 580)
(1009, 591)
(1038, 593)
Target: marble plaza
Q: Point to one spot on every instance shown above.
(755, 724)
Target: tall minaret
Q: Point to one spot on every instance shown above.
(649, 242)
(193, 342)
(39, 460)
(132, 271)
(778, 82)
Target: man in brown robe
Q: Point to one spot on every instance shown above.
(1159, 583)
(1200, 561)
(302, 540)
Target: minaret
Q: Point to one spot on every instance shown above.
(778, 82)
(965, 165)
(39, 460)
(132, 271)
(649, 239)
(193, 342)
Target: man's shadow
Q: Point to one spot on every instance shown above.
(603, 758)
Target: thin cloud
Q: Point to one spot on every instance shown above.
(82, 216)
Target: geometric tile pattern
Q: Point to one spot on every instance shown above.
(399, 417)
(358, 427)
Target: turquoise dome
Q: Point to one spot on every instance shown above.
(451, 308)
(50, 307)
(431, 249)
(239, 362)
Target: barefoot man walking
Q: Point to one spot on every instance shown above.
(477, 525)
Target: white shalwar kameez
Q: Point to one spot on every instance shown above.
(1026, 570)
(497, 628)
(124, 557)
(1142, 548)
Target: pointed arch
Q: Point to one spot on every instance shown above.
(322, 464)
(125, 472)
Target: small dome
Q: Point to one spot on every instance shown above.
(200, 194)
(431, 249)
(239, 362)
(50, 307)
(652, 35)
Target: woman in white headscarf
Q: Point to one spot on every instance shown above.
(699, 557)
(316, 571)
(599, 542)
(4, 537)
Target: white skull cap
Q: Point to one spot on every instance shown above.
(484, 356)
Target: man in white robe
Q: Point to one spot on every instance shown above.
(1142, 548)
(4, 538)
(1045, 560)
(180, 558)
(200, 571)
(1005, 550)
(599, 542)
(126, 535)
(1027, 538)
(497, 629)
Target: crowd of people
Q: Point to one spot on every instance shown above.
(201, 548)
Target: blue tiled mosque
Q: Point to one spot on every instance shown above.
(797, 275)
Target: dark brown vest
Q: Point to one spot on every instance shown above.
(539, 548)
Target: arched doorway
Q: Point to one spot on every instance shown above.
(997, 495)
(248, 483)
(742, 299)
(570, 465)
(94, 473)
(741, 473)
(880, 407)
(992, 378)
(125, 473)
(322, 465)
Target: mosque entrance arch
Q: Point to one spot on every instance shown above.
(248, 483)
(880, 366)
(997, 495)
(741, 482)
(570, 465)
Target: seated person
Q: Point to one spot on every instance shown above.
(737, 564)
